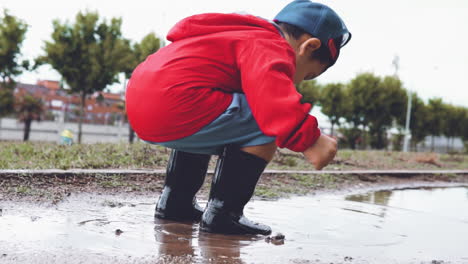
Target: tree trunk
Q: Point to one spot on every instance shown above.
(331, 134)
(352, 138)
(27, 129)
(432, 143)
(352, 144)
(82, 110)
(364, 138)
(131, 134)
(380, 141)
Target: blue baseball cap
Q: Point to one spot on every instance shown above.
(318, 20)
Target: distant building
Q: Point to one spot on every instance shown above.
(101, 108)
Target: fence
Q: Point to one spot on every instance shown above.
(11, 129)
(441, 145)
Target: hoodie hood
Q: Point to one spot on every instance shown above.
(210, 23)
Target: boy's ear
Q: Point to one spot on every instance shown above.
(309, 45)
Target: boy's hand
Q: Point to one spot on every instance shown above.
(321, 152)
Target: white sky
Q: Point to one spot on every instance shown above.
(430, 37)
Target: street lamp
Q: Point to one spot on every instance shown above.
(396, 65)
(407, 125)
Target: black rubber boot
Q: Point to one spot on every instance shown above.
(236, 175)
(184, 177)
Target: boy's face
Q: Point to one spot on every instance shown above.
(307, 67)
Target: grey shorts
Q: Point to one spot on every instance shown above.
(235, 126)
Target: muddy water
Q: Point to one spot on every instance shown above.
(399, 226)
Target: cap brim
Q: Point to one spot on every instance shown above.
(345, 39)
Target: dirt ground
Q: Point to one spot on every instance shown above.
(54, 188)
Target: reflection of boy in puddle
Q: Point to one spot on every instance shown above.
(181, 240)
(226, 86)
(175, 239)
(221, 249)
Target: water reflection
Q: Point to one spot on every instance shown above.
(219, 248)
(398, 226)
(174, 239)
(381, 197)
(450, 202)
(184, 240)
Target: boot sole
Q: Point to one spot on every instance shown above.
(235, 229)
(163, 216)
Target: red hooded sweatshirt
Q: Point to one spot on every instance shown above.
(189, 83)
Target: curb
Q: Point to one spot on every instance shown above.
(396, 173)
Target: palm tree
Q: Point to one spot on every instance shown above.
(29, 108)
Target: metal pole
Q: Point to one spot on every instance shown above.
(407, 126)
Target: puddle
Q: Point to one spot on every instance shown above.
(400, 226)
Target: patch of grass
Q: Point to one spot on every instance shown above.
(286, 189)
(345, 154)
(111, 181)
(24, 190)
(290, 162)
(328, 180)
(41, 155)
(112, 203)
(27, 190)
(272, 187)
(304, 179)
(266, 192)
(111, 184)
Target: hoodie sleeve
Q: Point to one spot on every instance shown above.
(267, 68)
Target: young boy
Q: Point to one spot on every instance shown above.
(226, 86)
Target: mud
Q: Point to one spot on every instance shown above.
(53, 188)
(400, 224)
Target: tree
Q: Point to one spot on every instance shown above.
(374, 104)
(361, 93)
(6, 101)
(453, 123)
(148, 45)
(464, 130)
(28, 109)
(310, 91)
(333, 102)
(12, 34)
(436, 118)
(88, 54)
(419, 120)
(396, 97)
(389, 105)
(462, 126)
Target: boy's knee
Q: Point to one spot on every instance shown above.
(265, 151)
